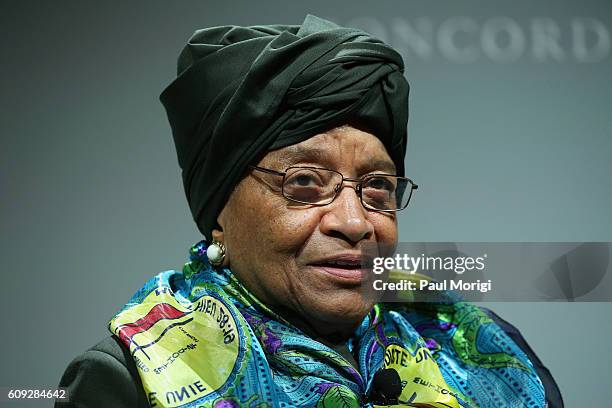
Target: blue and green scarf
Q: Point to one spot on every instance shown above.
(200, 339)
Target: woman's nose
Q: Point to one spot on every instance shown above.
(347, 217)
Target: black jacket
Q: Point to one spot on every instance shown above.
(106, 376)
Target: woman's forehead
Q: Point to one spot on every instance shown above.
(339, 147)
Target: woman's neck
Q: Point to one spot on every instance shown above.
(329, 333)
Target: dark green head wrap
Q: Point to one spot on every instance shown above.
(243, 91)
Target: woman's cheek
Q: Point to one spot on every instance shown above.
(294, 228)
(385, 229)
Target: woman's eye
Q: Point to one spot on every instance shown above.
(303, 180)
(380, 184)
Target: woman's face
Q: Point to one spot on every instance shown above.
(282, 251)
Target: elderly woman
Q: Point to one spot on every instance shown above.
(291, 140)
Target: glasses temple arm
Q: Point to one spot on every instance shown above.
(269, 171)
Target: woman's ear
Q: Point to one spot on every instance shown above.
(217, 235)
(217, 232)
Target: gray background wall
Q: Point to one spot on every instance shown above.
(510, 140)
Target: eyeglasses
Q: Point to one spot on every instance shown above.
(317, 186)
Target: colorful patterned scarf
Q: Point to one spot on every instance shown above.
(200, 339)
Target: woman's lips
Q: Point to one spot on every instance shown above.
(349, 268)
(348, 275)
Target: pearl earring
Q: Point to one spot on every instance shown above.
(216, 253)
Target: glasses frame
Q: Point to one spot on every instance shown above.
(358, 187)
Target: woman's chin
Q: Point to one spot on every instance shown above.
(341, 309)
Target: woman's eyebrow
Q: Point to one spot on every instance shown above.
(296, 154)
(379, 165)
